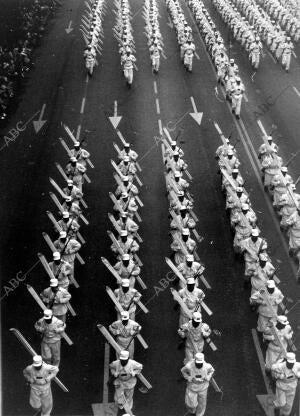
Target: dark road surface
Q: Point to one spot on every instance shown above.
(59, 81)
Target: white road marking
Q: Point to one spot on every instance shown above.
(193, 104)
(246, 98)
(160, 127)
(260, 125)
(82, 105)
(294, 55)
(155, 87)
(106, 373)
(296, 91)
(261, 360)
(157, 106)
(197, 56)
(78, 132)
(272, 57)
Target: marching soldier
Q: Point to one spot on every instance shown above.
(195, 332)
(182, 244)
(267, 309)
(127, 297)
(124, 370)
(127, 244)
(81, 154)
(287, 374)
(67, 247)
(127, 151)
(190, 268)
(39, 376)
(75, 171)
(127, 269)
(192, 296)
(284, 334)
(56, 298)
(61, 270)
(73, 191)
(51, 329)
(251, 248)
(69, 225)
(126, 223)
(198, 374)
(125, 330)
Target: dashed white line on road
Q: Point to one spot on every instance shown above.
(272, 57)
(78, 132)
(197, 56)
(261, 359)
(296, 91)
(160, 127)
(155, 87)
(246, 98)
(157, 106)
(82, 105)
(294, 55)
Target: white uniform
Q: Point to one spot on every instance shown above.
(40, 387)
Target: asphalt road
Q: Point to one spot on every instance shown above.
(59, 81)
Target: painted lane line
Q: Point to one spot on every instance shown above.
(78, 132)
(157, 106)
(246, 98)
(296, 91)
(106, 374)
(294, 55)
(155, 87)
(260, 125)
(272, 57)
(261, 360)
(197, 56)
(193, 104)
(82, 105)
(160, 127)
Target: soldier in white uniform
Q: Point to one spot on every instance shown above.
(198, 374)
(125, 330)
(39, 376)
(124, 370)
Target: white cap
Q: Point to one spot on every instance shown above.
(282, 319)
(239, 189)
(124, 195)
(230, 152)
(290, 357)
(183, 208)
(62, 234)
(180, 193)
(76, 144)
(68, 198)
(124, 233)
(199, 358)
(125, 282)
(69, 182)
(176, 153)
(37, 361)
(123, 214)
(284, 169)
(173, 143)
(53, 282)
(245, 207)
(190, 281)
(125, 256)
(48, 313)
(124, 355)
(177, 174)
(65, 214)
(255, 232)
(73, 159)
(126, 144)
(185, 231)
(270, 138)
(189, 257)
(126, 159)
(197, 317)
(125, 179)
(125, 315)
(271, 283)
(56, 255)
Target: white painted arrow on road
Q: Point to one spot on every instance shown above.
(170, 23)
(115, 120)
(40, 122)
(69, 28)
(197, 116)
